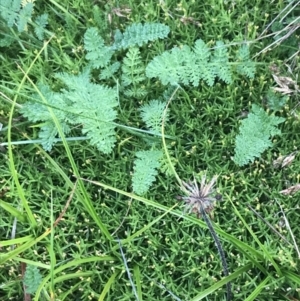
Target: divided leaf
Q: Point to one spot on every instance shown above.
(185, 65)
(275, 102)
(138, 34)
(152, 114)
(220, 61)
(254, 136)
(145, 169)
(109, 70)
(32, 279)
(15, 12)
(41, 22)
(24, 16)
(132, 68)
(245, 65)
(10, 10)
(81, 102)
(166, 67)
(97, 52)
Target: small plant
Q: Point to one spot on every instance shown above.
(32, 279)
(201, 201)
(94, 106)
(185, 65)
(19, 13)
(14, 12)
(145, 170)
(254, 136)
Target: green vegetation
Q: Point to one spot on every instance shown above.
(106, 107)
(254, 136)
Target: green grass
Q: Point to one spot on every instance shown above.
(170, 255)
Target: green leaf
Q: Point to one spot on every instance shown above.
(32, 279)
(203, 69)
(138, 34)
(48, 134)
(109, 70)
(244, 64)
(24, 16)
(9, 11)
(40, 24)
(81, 103)
(166, 67)
(254, 135)
(145, 170)
(152, 114)
(188, 66)
(97, 52)
(132, 68)
(222, 68)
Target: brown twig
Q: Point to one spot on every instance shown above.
(265, 221)
(66, 206)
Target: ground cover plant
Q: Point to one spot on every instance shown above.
(111, 112)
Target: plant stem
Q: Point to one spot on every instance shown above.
(220, 250)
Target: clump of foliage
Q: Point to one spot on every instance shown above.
(254, 135)
(19, 13)
(94, 106)
(190, 65)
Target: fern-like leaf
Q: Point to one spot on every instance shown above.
(136, 92)
(9, 11)
(32, 279)
(166, 67)
(202, 68)
(245, 65)
(182, 65)
(24, 16)
(222, 68)
(92, 105)
(37, 110)
(81, 102)
(40, 24)
(48, 134)
(138, 34)
(132, 68)
(109, 70)
(254, 136)
(152, 115)
(97, 52)
(15, 13)
(185, 65)
(145, 169)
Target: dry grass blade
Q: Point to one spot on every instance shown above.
(290, 190)
(289, 29)
(290, 230)
(266, 222)
(121, 12)
(283, 161)
(278, 16)
(284, 84)
(66, 206)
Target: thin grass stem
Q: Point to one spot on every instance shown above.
(220, 249)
